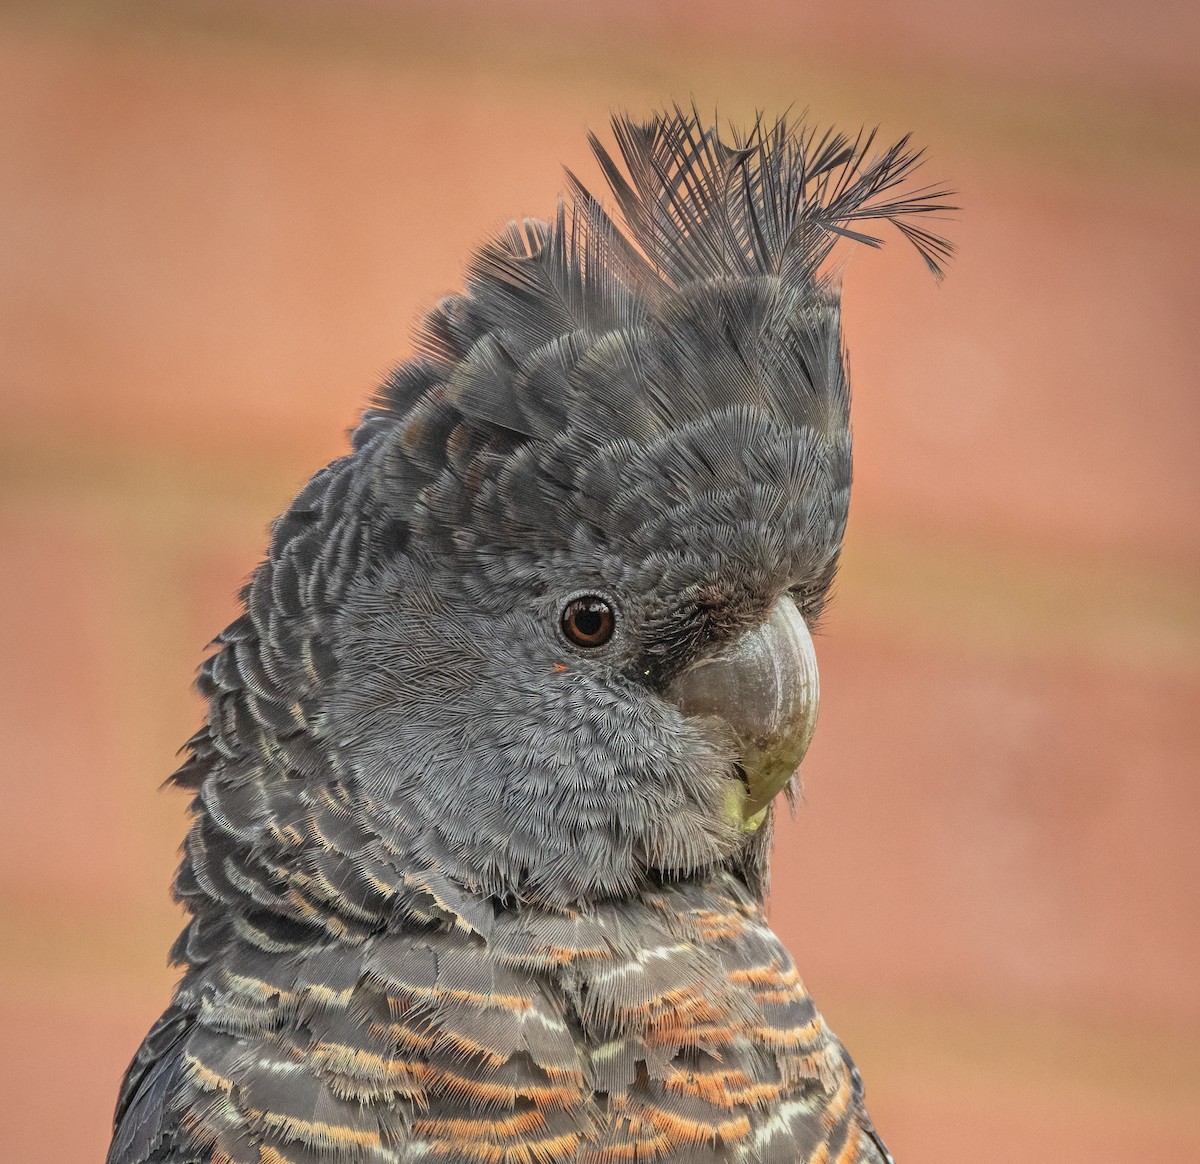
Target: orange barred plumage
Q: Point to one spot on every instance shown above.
(679, 1031)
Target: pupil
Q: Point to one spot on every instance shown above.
(588, 621)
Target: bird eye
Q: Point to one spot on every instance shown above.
(588, 621)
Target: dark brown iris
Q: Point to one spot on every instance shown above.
(588, 621)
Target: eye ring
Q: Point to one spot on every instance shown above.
(588, 621)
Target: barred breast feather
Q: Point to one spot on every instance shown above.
(674, 1028)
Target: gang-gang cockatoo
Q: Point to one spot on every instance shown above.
(483, 801)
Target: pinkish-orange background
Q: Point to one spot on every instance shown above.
(217, 223)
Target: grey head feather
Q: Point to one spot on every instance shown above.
(648, 404)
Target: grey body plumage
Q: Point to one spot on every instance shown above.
(460, 887)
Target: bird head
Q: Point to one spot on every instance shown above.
(546, 631)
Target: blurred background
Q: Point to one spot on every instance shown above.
(218, 224)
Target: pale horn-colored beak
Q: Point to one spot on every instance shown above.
(764, 686)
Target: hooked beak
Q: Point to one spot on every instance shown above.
(764, 686)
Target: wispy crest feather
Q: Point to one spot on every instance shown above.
(701, 233)
(691, 208)
(774, 201)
